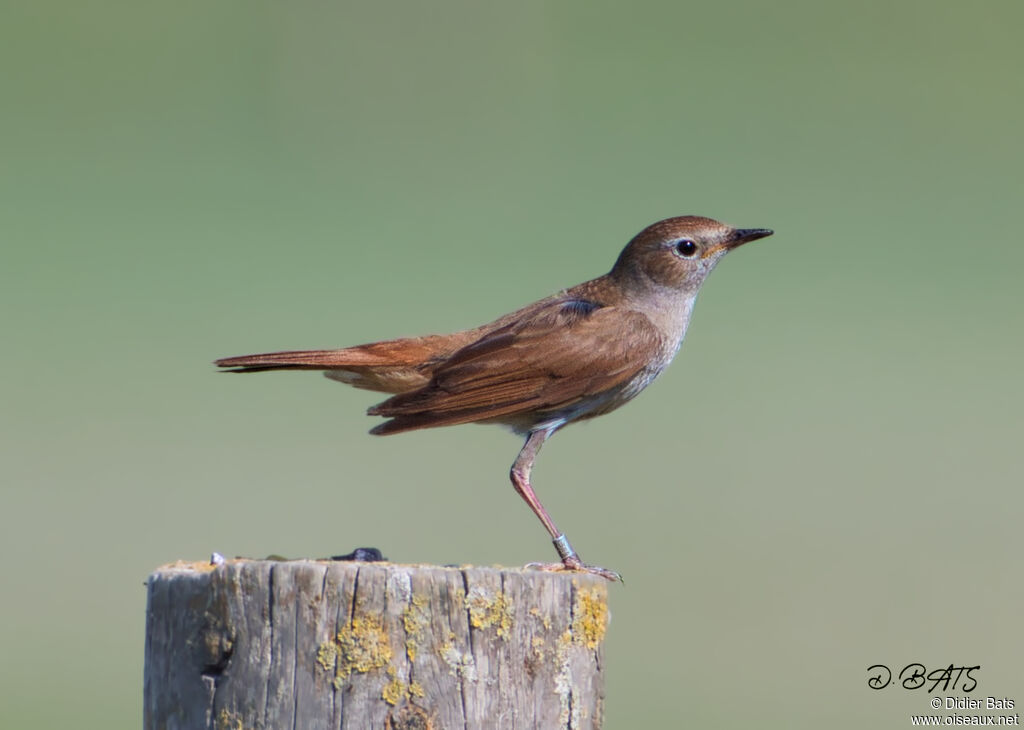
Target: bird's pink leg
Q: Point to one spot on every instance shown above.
(520, 475)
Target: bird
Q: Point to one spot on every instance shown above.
(572, 356)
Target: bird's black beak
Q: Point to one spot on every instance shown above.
(745, 235)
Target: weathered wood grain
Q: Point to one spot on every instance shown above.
(304, 644)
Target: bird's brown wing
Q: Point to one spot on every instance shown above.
(551, 359)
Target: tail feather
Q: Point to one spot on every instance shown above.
(390, 353)
(295, 360)
(392, 366)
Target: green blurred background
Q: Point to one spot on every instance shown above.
(828, 477)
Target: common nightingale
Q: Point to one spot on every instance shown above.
(574, 355)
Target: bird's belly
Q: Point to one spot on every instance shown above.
(587, 407)
(609, 401)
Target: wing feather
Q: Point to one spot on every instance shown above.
(550, 360)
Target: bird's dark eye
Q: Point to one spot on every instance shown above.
(686, 248)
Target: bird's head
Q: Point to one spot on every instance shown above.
(679, 253)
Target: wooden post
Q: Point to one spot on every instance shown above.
(304, 644)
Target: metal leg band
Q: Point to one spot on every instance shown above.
(563, 547)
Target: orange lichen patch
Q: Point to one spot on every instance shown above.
(590, 616)
(487, 609)
(361, 647)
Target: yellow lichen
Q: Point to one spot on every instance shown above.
(489, 609)
(361, 647)
(460, 664)
(590, 616)
(228, 720)
(415, 621)
(326, 655)
(396, 690)
(545, 621)
(393, 692)
(563, 679)
(458, 598)
(537, 643)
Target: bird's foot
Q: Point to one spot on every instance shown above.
(571, 561)
(574, 564)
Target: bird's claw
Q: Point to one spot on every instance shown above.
(576, 565)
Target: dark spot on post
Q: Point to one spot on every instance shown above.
(409, 717)
(216, 668)
(363, 555)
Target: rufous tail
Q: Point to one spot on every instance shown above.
(392, 366)
(296, 360)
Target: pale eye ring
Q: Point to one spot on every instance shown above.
(686, 248)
